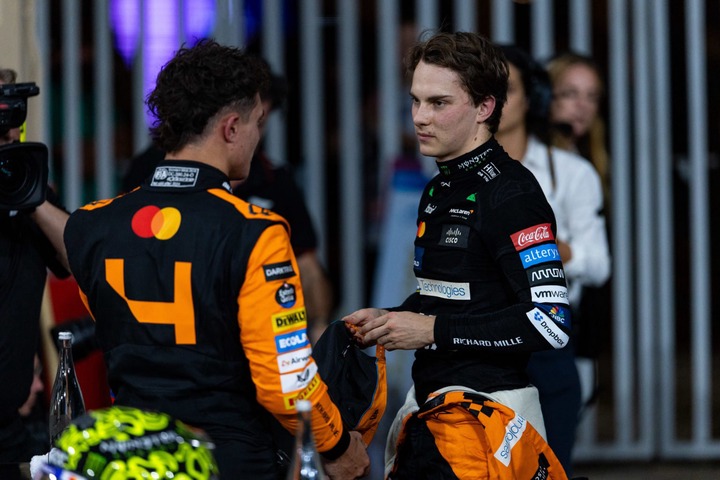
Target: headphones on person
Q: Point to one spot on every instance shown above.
(536, 81)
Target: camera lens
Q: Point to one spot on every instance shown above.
(13, 176)
(23, 175)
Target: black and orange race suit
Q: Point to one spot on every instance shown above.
(488, 267)
(199, 309)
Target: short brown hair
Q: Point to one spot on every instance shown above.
(479, 63)
(196, 84)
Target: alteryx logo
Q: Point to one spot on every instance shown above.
(540, 254)
(291, 341)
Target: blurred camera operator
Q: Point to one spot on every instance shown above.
(30, 243)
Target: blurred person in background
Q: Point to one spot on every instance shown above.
(572, 187)
(30, 243)
(578, 90)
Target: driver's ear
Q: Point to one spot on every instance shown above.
(485, 109)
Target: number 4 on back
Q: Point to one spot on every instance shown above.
(179, 312)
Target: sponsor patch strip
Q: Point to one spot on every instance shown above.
(298, 380)
(447, 290)
(547, 328)
(291, 341)
(549, 294)
(540, 254)
(295, 318)
(294, 360)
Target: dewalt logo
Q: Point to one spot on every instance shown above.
(289, 320)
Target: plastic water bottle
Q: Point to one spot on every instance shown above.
(66, 400)
(306, 463)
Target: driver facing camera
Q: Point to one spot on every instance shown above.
(31, 229)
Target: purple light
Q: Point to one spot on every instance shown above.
(199, 19)
(124, 16)
(161, 38)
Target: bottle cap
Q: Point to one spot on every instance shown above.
(65, 336)
(303, 405)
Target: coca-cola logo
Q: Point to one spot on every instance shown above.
(531, 236)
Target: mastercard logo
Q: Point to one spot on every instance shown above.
(421, 229)
(152, 221)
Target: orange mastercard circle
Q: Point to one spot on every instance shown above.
(421, 229)
(152, 221)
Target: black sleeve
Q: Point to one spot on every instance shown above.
(43, 245)
(538, 318)
(411, 304)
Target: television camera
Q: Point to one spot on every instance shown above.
(23, 166)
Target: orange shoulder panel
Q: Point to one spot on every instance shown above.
(248, 210)
(97, 204)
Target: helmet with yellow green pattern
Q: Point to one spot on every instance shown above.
(123, 443)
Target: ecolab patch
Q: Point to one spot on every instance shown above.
(291, 341)
(291, 382)
(175, 177)
(278, 271)
(291, 320)
(532, 236)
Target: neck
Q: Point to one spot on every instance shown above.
(202, 152)
(514, 142)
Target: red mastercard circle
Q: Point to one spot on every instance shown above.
(142, 221)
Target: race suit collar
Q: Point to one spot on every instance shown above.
(187, 175)
(471, 161)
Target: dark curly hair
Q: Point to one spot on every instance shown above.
(478, 62)
(196, 84)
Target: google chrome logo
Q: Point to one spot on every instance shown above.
(152, 221)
